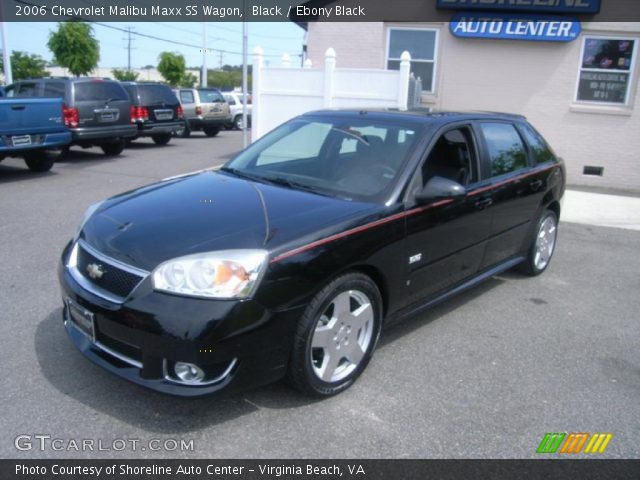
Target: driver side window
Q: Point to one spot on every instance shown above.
(452, 157)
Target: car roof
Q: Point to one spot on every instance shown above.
(418, 115)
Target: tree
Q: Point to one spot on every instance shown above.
(25, 65)
(74, 47)
(124, 75)
(172, 67)
(188, 80)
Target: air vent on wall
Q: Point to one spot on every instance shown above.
(591, 170)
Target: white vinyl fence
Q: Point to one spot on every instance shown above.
(281, 93)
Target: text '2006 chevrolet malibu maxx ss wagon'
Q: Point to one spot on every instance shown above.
(288, 260)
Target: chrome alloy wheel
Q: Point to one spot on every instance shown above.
(545, 242)
(342, 336)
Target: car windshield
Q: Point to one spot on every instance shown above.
(350, 158)
(210, 96)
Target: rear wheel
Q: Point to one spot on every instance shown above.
(39, 161)
(114, 148)
(211, 131)
(336, 336)
(237, 122)
(161, 139)
(543, 244)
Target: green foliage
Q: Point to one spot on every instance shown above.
(172, 67)
(74, 47)
(226, 80)
(124, 75)
(25, 65)
(188, 80)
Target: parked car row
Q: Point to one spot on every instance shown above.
(40, 119)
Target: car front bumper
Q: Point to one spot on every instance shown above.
(239, 344)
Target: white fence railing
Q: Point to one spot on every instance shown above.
(281, 93)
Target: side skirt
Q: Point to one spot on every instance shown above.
(429, 302)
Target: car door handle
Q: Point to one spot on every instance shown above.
(483, 203)
(536, 184)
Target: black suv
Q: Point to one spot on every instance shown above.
(155, 110)
(96, 111)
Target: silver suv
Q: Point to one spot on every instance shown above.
(234, 99)
(204, 109)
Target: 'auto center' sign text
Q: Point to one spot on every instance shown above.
(515, 27)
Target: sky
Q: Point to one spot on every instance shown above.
(276, 39)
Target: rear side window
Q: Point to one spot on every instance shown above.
(540, 151)
(156, 95)
(506, 150)
(26, 89)
(210, 96)
(54, 89)
(186, 96)
(99, 91)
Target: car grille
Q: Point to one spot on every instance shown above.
(107, 275)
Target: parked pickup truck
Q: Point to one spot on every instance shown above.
(34, 129)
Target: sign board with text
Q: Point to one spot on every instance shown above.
(547, 6)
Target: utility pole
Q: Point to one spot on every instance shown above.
(129, 47)
(203, 80)
(6, 54)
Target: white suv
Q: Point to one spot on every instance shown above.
(234, 99)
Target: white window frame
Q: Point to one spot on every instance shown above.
(631, 72)
(436, 47)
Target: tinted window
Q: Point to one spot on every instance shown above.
(210, 96)
(506, 150)
(54, 89)
(156, 94)
(540, 151)
(99, 91)
(27, 89)
(186, 96)
(452, 157)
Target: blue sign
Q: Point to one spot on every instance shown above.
(515, 26)
(549, 6)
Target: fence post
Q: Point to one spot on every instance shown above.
(329, 70)
(403, 81)
(286, 60)
(256, 94)
(307, 63)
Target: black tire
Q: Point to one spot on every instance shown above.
(237, 122)
(183, 132)
(532, 265)
(113, 148)
(161, 139)
(211, 131)
(39, 161)
(302, 368)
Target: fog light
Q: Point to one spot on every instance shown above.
(188, 372)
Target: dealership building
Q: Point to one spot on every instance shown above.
(571, 71)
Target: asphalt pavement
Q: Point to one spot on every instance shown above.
(484, 375)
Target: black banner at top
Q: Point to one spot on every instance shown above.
(299, 11)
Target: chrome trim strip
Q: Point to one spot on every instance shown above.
(219, 378)
(119, 356)
(112, 261)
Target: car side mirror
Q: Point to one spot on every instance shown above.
(440, 188)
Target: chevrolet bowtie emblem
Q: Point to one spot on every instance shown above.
(95, 271)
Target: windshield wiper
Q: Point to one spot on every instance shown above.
(287, 182)
(246, 175)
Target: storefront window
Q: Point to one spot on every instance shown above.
(606, 70)
(421, 44)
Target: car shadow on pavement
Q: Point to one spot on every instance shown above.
(9, 173)
(69, 372)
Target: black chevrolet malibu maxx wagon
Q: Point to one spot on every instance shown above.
(289, 260)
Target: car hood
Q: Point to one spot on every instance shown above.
(210, 211)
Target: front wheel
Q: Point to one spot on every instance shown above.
(336, 336)
(237, 122)
(543, 244)
(161, 139)
(211, 131)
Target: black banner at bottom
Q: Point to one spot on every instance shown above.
(318, 469)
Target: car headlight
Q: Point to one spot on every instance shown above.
(87, 215)
(222, 274)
